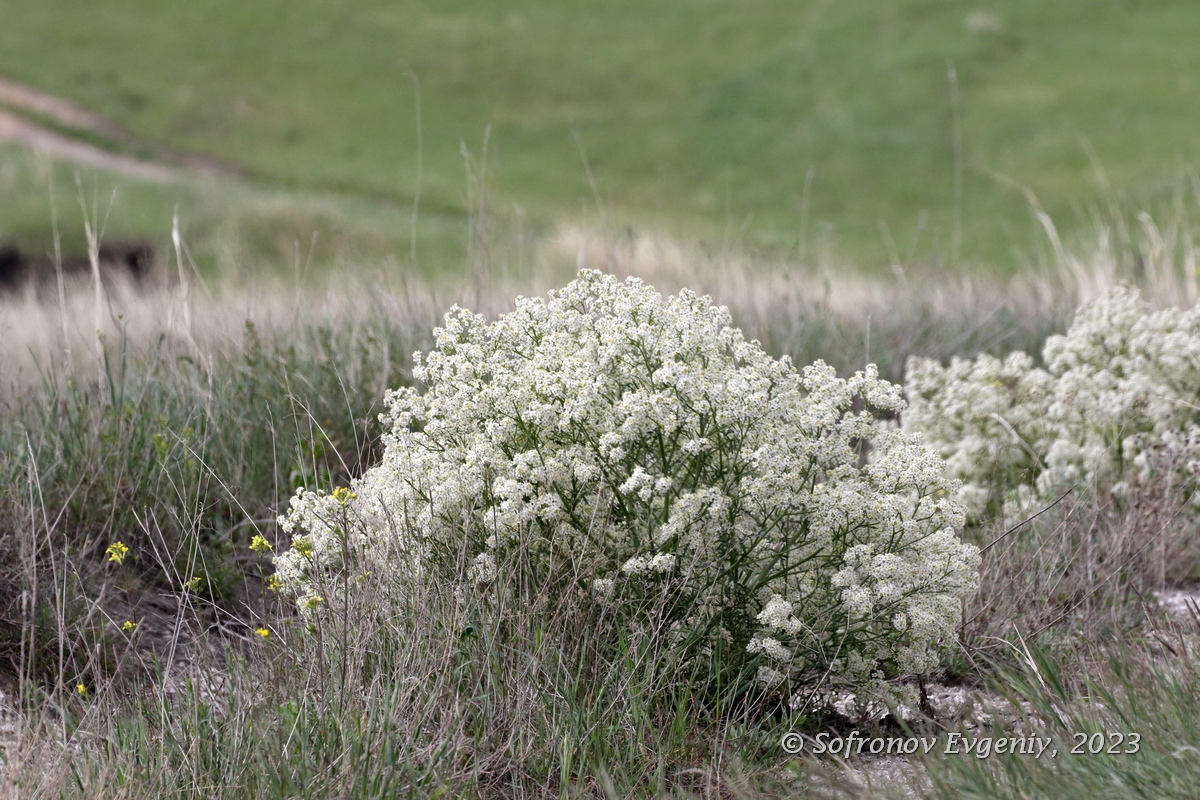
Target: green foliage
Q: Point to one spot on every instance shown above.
(707, 117)
(183, 458)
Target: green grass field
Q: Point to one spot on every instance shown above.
(234, 228)
(764, 122)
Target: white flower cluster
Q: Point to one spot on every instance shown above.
(1118, 401)
(638, 446)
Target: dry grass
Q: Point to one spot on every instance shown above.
(807, 309)
(95, 446)
(836, 314)
(1083, 574)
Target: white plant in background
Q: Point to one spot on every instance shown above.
(1118, 400)
(635, 446)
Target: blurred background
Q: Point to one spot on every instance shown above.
(440, 139)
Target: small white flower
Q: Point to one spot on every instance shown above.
(1115, 400)
(661, 562)
(770, 676)
(581, 431)
(483, 570)
(635, 566)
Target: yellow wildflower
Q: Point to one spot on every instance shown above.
(81, 690)
(116, 552)
(259, 545)
(129, 626)
(303, 546)
(194, 584)
(274, 584)
(313, 601)
(343, 495)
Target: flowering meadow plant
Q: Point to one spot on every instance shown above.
(636, 447)
(1117, 401)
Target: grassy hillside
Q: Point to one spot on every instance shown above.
(710, 117)
(231, 227)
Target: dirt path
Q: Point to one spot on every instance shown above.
(56, 145)
(19, 102)
(32, 101)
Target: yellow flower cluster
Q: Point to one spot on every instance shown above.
(116, 552)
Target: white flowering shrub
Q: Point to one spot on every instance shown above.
(1118, 400)
(633, 446)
